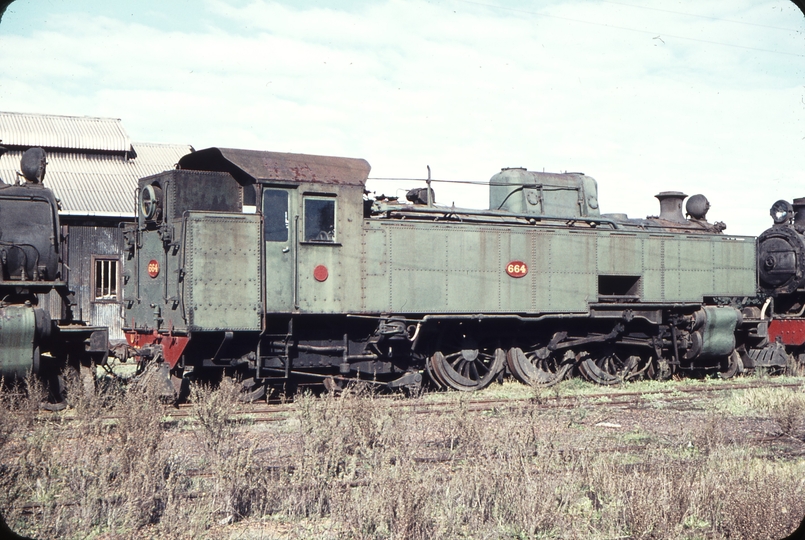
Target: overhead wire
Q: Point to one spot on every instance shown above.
(627, 29)
(696, 15)
(470, 182)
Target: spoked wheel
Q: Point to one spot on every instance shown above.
(609, 368)
(466, 370)
(435, 379)
(528, 368)
(731, 366)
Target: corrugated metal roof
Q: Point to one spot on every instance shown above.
(98, 184)
(65, 132)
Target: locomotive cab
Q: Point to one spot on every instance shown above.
(233, 235)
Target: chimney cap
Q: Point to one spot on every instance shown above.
(670, 194)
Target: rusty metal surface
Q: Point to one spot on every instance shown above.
(248, 166)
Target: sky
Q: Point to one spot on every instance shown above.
(691, 96)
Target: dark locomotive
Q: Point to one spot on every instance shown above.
(277, 269)
(32, 342)
(781, 279)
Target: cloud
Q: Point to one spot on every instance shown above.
(465, 87)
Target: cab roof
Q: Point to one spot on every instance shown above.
(250, 166)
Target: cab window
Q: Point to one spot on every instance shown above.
(319, 219)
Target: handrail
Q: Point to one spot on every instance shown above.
(497, 214)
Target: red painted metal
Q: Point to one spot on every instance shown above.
(153, 268)
(517, 269)
(790, 331)
(320, 273)
(172, 346)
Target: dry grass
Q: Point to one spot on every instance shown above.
(786, 408)
(116, 465)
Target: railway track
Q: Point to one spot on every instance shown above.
(671, 397)
(604, 399)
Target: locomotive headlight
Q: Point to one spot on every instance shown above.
(150, 202)
(781, 212)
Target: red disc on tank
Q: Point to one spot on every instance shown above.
(320, 273)
(153, 268)
(517, 269)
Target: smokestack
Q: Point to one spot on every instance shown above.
(671, 206)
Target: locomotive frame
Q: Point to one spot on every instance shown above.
(275, 266)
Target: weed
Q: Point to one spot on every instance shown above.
(357, 466)
(795, 366)
(785, 406)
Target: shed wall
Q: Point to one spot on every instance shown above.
(87, 241)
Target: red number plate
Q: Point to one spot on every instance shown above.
(153, 268)
(517, 269)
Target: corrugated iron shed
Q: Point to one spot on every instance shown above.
(63, 132)
(92, 166)
(97, 184)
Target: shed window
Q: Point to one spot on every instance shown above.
(275, 215)
(319, 220)
(106, 279)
